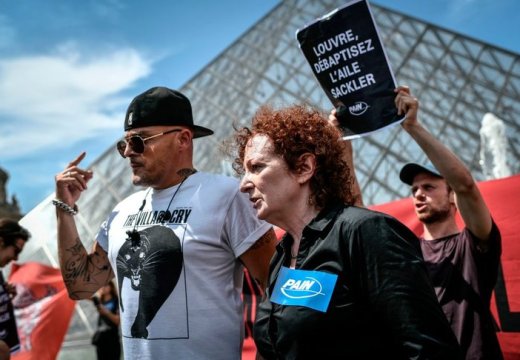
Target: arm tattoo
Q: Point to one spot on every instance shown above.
(82, 267)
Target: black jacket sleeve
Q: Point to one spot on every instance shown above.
(394, 281)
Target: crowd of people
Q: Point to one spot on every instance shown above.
(166, 269)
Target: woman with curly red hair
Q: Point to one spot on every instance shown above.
(345, 282)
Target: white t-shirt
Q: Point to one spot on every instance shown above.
(180, 280)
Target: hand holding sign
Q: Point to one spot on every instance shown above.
(348, 59)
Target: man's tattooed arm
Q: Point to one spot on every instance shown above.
(84, 273)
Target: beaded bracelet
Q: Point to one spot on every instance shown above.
(65, 207)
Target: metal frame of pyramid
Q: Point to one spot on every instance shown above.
(456, 78)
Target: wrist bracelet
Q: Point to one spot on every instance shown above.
(65, 207)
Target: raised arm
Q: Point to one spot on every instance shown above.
(468, 198)
(348, 157)
(83, 273)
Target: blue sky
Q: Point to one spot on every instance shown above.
(68, 69)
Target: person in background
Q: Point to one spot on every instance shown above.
(106, 337)
(345, 282)
(463, 264)
(177, 248)
(12, 241)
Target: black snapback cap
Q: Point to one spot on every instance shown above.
(162, 106)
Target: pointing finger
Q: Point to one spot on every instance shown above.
(77, 160)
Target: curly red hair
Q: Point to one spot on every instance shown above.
(296, 130)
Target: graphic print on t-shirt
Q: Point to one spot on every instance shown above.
(149, 267)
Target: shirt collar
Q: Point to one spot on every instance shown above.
(324, 217)
(317, 225)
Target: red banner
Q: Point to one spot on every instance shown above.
(43, 310)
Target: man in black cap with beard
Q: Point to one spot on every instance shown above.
(463, 265)
(177, 248)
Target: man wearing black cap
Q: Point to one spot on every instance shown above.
(463, 265)
(176, 248)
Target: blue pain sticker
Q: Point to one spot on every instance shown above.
(312, 289)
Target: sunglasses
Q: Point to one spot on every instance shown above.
(136, 142)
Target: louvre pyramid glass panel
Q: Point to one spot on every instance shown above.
(456, 78)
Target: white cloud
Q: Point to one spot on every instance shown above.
(66, 95)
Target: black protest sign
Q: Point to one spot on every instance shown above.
(348, 59)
